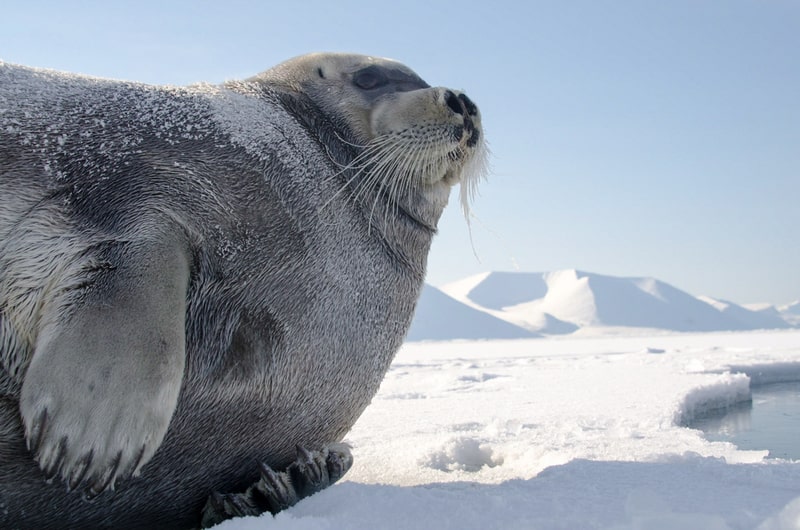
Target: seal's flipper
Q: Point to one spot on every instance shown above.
(105, 375)
(275, 491)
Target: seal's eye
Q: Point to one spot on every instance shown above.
(370, 77)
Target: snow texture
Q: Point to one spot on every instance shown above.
(561, 433)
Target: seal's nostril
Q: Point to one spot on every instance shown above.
(452, 101)
(473, 140)
(472, 110)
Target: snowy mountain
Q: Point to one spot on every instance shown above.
(791, 313)
(440, 317)
(564, 301)
(760, 317)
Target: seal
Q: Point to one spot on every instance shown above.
(202, 287)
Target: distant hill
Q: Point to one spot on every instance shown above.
(765, 317)
(440, 317)
(565, 301)
(791, 313)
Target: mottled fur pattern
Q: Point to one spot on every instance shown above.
(195, 280)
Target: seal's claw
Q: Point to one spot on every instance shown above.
(278, 490)
(97, 484)
(220, 507)
(52, 467)
(309, 473)
(215, 504)
(36, 431)
(79, 472)
(303, 453)
(339, 461)
(239, 505)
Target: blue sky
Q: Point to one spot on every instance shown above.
(631, 138)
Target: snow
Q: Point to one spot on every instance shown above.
(581, 431)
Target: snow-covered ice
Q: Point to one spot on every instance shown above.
(568, 432)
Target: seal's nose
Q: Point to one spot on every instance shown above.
(469, 106)
(452, 101)
(460, 104)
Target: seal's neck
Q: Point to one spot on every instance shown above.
(333, 137)
(405, 222)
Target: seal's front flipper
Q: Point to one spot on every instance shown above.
(276, 491)
(108, 363)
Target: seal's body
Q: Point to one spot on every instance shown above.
(195, 280)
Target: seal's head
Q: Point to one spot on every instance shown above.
(410, 142)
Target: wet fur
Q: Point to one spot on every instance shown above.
(248, 210)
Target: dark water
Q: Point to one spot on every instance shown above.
(771, 421)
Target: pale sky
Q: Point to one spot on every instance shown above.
(630, 138)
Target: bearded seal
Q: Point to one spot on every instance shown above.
(202, 287)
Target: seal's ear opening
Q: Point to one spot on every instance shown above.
(320, 73)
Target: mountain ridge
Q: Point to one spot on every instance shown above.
(564, 301)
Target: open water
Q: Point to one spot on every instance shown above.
(770, 421)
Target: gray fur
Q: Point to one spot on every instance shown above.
(195, 280)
